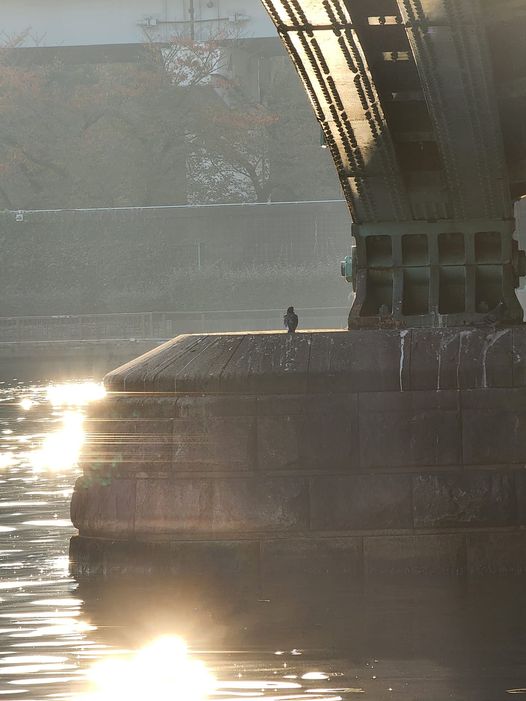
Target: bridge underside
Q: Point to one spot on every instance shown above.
(423, 105)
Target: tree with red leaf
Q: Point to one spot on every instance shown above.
(174, 127)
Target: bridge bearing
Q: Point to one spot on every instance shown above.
(443, 273)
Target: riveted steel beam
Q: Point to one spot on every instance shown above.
(448, 42)
(332, 64)
(429, 152)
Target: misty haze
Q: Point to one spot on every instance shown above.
(262, 350)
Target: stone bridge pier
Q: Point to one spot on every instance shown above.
(329, 455)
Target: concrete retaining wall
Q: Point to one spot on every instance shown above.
(174, 258)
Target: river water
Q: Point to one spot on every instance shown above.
(135, 639)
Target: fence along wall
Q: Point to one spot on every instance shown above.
(173, 258)
(158, 326)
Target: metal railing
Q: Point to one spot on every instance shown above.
(158, 325)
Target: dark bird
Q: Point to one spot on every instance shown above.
(290, 320)
(496, 315)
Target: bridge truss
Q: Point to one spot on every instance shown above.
(423, 107)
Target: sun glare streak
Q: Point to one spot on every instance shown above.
(163, 670)
(6, 460)
(75, 394)
(60, 450)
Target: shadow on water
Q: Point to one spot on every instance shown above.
(399, 640)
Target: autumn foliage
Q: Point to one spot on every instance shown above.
(171, 127)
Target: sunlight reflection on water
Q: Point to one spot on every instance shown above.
(60, 450)
(165, 670)
(162, 669)
(50, 648)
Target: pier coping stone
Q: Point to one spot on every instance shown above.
(319, 362)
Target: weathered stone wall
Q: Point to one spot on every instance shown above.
(376, 452)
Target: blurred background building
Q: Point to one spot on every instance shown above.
(124, 22)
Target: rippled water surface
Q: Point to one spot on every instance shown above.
(130, 639)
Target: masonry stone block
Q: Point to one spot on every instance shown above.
(494, 426)
(409, 429)
(424, 555)
(279, 441)
(222, 563)
(435, 359)
(331, 433)
(361, 502)
(519, 477)
(167, 506)
(213, 505)
(486, 359)
(461, 358)
(215, 442)
(308, 434)
(104, 509)
(468, 499)
(154, 441)
(496, 553)
(214, 562)
(275, 405)
(260, 504)
(361, 361)
(221, 405)
(138, 406)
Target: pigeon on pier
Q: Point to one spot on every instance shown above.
(290, 320)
